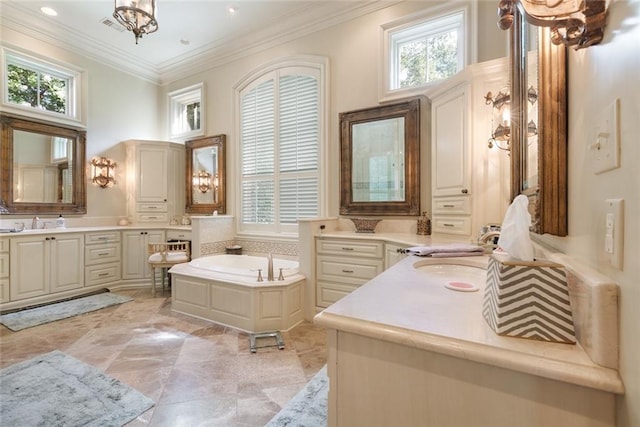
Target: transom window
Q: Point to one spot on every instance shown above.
(421, 51)
(281, 119)
(186, 110)
(42, 88)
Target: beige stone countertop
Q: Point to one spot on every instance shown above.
(40, 231)
(406, 239)
(406, 306)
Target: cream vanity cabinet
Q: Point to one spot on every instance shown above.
(450, 173)
(155, 181)
(392, 254)
(135, 264)
(4, 270)
(102, 258)
(342, 265)
(46, 264)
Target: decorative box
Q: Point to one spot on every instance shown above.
(528, 300)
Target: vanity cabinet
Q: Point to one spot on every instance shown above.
(4, 270)
(155, 184)
(451, 174)
(102, 258)
(46, 264)
(342, 265)
(392, 254)
(135, 264)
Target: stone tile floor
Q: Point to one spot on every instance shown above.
(198, 373)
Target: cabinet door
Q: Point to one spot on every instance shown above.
(392, 254)
(29, 267)
(152, 174)
(67, 262)
(450, 172)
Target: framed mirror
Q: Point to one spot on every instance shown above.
(539, 160)
(380, 160)
(205, 170)
(43, 167)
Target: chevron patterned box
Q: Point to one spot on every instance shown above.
(528, 300)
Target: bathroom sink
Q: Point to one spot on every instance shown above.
(459, 275)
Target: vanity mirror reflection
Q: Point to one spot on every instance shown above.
(205, 175)
(380, 160)
(43, 169)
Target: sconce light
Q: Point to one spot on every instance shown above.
(501, 103)
(102, 172)
(202, 181)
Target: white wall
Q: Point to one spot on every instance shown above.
(597, 76)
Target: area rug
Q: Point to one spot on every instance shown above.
(49, 313)
(308, 408)
(58, 390)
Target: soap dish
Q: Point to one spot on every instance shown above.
(461, 286)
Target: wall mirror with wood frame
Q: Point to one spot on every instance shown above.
(380, 160)
(205, 175)
(43, 167)
(539, 163)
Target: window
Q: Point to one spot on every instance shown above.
(186, 112)
(281, 119)
(37, 87)
(424, 50)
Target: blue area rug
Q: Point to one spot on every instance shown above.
(62, 310)
(58, 390)
(308, 408)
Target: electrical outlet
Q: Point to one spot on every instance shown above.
(614, 232)
(606, 148)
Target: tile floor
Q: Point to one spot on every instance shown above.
(197, 372)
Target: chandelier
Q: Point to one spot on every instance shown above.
(138, 16)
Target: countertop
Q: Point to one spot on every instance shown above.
(405, 306)
(40, 231)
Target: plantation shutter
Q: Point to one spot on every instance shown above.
(280, 134)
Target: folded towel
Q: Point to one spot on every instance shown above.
(441, 251)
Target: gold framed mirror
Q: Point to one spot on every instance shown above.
(42, 167)
(380, 160)
(539, 167)
(205, 175)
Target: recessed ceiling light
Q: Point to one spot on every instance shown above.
(48, 11)
(232, 9)
(184, 42)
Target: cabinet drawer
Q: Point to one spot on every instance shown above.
(100, 254)
(153, 217)
(329, 293)
(151, 207)
(4, 290)
(4, 245)
(452, 225)
(358, 248)
(103, 273)
(452, 205)
(101, 237)
(4, 265)
(344, 270)
(178, 235)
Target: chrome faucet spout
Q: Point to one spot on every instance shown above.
(34, 223)
(270, 268)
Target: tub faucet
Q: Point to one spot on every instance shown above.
(270, 268)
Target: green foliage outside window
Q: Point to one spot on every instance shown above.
(428, 59)
(36, 89)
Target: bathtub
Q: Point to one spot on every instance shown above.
(225, 289)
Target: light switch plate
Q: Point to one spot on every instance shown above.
(606, 147)
(614, 232)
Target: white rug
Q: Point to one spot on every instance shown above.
(308, 408)
(49, 313)
(57, 390)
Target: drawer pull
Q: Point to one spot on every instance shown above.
(449, 225)
(347, 249)
(152, 217)
(152, 207)
(449, 206)
(347, 271)
(103, 254)
(103, 274)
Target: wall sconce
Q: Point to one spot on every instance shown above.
(102, 172)
(202, 181)
(501, 104)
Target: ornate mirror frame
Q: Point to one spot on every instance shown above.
(78, 204)
(217, 178)
(410, 111)
(547, 200)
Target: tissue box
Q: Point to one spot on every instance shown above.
(528, 300)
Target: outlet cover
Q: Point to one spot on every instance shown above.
(614, 232)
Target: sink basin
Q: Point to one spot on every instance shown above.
(458, 275)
